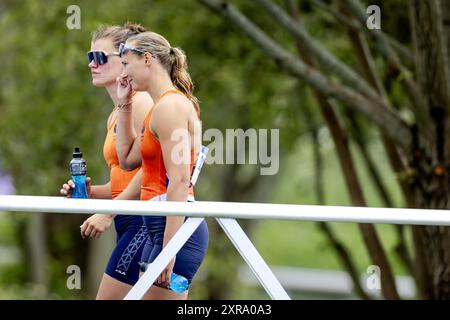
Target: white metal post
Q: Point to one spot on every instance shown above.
(254, 260)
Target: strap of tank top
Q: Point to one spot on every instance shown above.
(165, 93)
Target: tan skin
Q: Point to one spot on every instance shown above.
(172, 113)
(93, 227)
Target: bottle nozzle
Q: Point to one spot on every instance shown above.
(77, 153)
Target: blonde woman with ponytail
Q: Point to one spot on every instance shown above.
(166, 146)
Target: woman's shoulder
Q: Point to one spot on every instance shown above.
(171, 111)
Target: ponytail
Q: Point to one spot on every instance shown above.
(180, 76)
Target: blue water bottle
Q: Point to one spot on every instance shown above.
(78, 173)
(178, 283)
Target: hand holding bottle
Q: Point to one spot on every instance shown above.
(68, 187)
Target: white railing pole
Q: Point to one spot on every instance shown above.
(228, 210)
(254, 260)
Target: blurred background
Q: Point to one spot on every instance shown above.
(48, 105)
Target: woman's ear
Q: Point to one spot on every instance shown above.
(147, 59)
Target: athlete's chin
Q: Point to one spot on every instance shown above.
(100, 82)
(97, 82)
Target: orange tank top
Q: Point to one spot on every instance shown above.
(154, 175)
(119, 178)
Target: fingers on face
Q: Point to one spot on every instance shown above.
(124, 81)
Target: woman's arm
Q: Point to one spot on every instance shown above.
(101, 191)
(130, 118)
(133, 190)
(94, 192)
(171, 127)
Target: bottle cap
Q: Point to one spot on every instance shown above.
(77, 153)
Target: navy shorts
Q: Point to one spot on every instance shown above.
(190, 256)
(131, 237)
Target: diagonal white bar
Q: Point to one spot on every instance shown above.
(163, 259)
(228, 210)
(254, 260)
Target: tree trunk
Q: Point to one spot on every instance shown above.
(445, 4)
(340, 249)
(430, 181)
(36, 244)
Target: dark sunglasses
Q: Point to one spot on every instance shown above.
(123, 48)
(99, 57)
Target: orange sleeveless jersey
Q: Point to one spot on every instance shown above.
(119, 178)
(153, 169)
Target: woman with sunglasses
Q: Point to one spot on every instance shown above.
(166, 146)
(122, 271)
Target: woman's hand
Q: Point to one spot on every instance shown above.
(67, 188)
(164, 278)
(124, 91)
(95, 225)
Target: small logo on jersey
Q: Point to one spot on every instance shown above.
(115, 128)
(121, 272)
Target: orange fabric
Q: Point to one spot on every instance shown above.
(119, 178)
(153, 169)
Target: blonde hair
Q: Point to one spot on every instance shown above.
(172, 59)
(117, 34)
